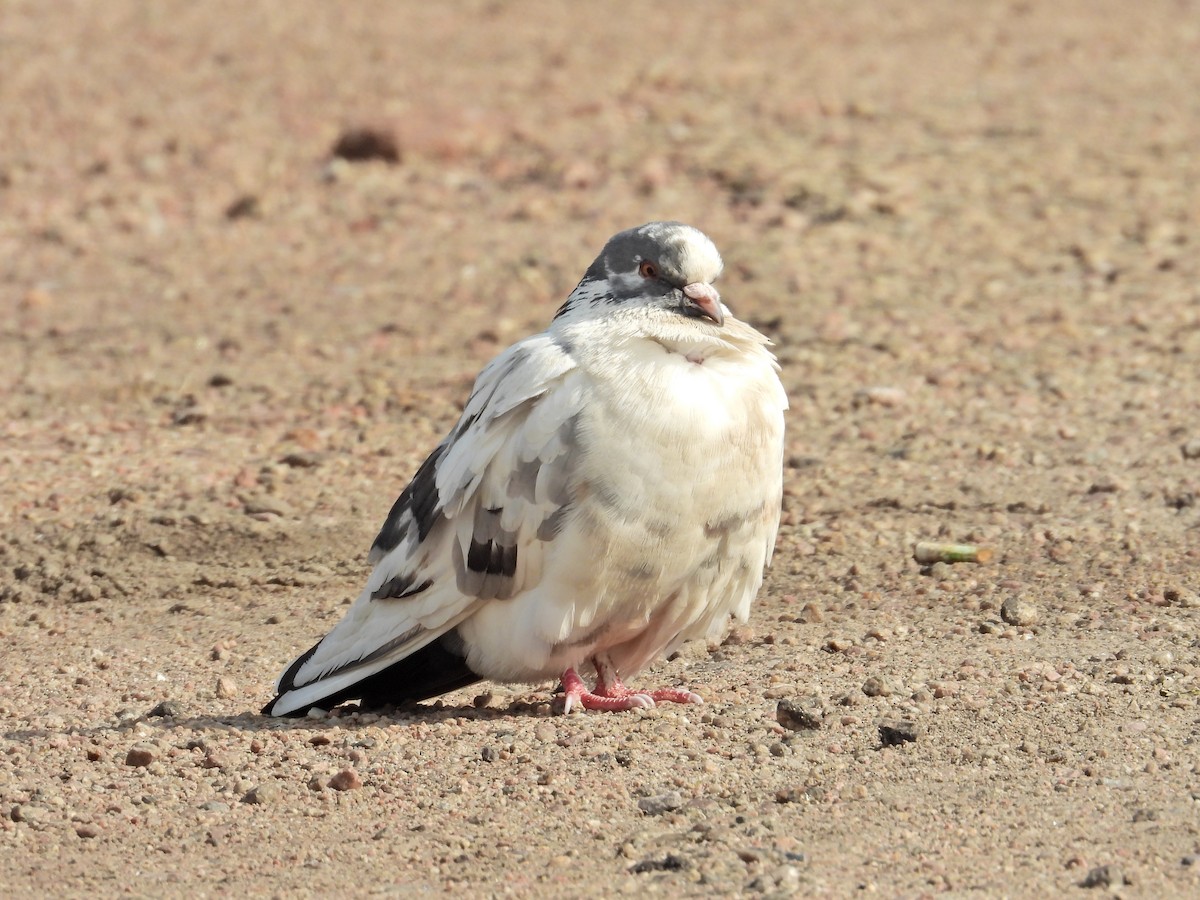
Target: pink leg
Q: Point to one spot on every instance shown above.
(611, 694)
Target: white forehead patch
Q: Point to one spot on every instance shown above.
(698, 256)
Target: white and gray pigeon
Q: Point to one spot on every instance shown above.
(612, 490)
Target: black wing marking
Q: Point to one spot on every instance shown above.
(417, 504)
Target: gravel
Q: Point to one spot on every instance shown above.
(1019, 611)
(661, 803)
(971, 240)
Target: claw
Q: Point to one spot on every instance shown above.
(611, 695)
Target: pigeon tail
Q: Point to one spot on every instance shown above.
(434, 669)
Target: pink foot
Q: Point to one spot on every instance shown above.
(611, 695)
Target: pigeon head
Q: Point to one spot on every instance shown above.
(663, 265)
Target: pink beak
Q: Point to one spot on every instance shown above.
(706, 299)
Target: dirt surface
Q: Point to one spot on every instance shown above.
(973, 231)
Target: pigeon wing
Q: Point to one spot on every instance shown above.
(471, 528)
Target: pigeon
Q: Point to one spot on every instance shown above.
(612, 489)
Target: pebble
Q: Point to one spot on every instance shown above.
(878, 686)
(367, 142)
(215, 761)
(227, 688)
(794, 717)
(896, 732)
(167, 709)
(346, 780)
(87, 830)
(262, 794)
(1018, 610)
(29, 814)
(141, 755)
(669, 863)
(811, 613)
(1191, 449)
(660, 803)
(1104, 877)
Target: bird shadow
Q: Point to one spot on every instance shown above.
(347, 719)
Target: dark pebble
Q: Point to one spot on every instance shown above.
(302, 460)
(1104, 877)
(361, 144)
(141, 755)
(793, 717)
(669, 863)
(244, 207)
(892, 734)
(489, 754)
(168, 709)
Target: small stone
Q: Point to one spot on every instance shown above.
(345, 780)
(794, 717)
(900, 731)
(811, 613)
(489, 754)
(262, 794)
(367, 143)
(87, 830)
(214, 761)
(168, 709)
(1177, 596)
(660, 803)
(669, 863)
(141, 755)
(227, 688)
(1104, 877)
(244, 207)
(303, 460)
(28, 814)
(877, 686)
(1191, 449)
(1018, 610)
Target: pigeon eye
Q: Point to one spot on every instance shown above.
(648, 269)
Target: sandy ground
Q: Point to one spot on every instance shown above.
(972, 231)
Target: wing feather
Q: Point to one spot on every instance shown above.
(470, 528)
